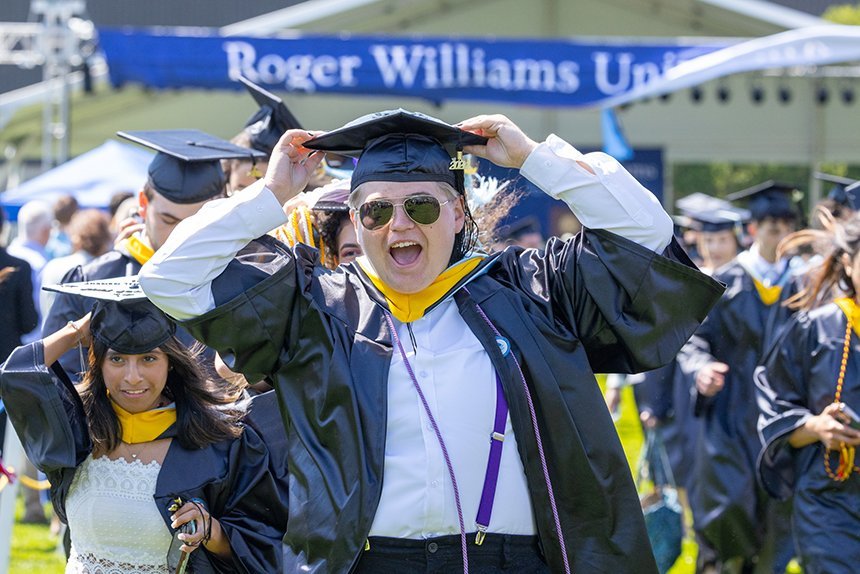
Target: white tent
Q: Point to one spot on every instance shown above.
(92, 178)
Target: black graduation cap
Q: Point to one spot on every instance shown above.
(713, 221)
(269, 123)
(187, 167)
(840, 191)
(123, 318)
(711, 214)
(399, 145)
(769, 199)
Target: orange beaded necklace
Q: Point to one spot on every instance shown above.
(846, 453)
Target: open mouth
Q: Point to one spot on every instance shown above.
(405, 253)
(133, 394)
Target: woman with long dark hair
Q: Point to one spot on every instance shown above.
(146, 445)
(809, 393)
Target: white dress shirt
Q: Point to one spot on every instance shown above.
(450, 365)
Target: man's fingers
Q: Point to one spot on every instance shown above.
(720, 367)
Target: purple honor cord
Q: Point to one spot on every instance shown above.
(438, 438)
(544, 467)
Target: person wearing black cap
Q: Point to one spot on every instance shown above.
(262, 132)
(394, 371)
(843, 199)
(143, 446)
(729, 507)
(184, 175)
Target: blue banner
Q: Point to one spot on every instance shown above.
(559, 73)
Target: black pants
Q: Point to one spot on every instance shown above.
(444, 555)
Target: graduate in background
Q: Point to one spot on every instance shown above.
(809, 394)
(729, 508)
(184, 175)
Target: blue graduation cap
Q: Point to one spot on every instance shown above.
(187, 167)
(402, 146)
(770, 199)
(711, 214)
(840, 193)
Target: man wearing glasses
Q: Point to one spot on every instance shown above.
(440, 404)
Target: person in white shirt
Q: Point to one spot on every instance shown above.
(440, 405)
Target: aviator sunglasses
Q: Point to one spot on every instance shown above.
(422, 209)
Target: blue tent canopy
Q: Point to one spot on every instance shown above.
(92, 178)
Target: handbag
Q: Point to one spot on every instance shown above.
(661, 506)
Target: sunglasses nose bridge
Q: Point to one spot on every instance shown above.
(400, 218)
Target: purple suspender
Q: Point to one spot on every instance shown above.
(491, 478)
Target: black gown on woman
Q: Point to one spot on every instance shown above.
(797, 380)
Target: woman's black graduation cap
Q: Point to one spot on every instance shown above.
(769, 199)
(187, 167)
(401, 146)
(123, 318)
(269, 123)
(711, 214)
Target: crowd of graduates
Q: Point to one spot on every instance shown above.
(753, 414)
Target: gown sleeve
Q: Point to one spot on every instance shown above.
(45, 410)
(781, 388)
(250, 509)
(632, 308)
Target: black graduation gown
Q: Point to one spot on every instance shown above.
(68, 307)
(728, 508)
(797, 380)
(232, 476)
(19, 310)
(665, 393)
(598, 302)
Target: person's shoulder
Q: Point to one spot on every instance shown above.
(111, 264)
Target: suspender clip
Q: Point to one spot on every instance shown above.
(498, 436)
(367, 544)
(482, 533)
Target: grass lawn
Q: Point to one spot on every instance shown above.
(34, 547)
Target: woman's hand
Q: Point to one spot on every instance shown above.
(208, 532)
(827, 429)
(67, 338)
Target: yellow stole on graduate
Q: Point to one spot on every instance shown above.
(146, 426)
(408, 307)
(140, 250)
(768, 294)
(851, 310)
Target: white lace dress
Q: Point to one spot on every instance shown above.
(115, 525)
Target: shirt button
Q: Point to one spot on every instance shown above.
(432, 548)
(423, 374)
(434, 484)
(547, 163)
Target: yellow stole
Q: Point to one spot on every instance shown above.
(851, 310)
(408, 307)
(768, 295)
(139, 249)
(146, 426)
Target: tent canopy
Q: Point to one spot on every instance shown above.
(92, 178)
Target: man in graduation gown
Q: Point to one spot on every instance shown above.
(184, 174)
(395, 372)
(729, 508)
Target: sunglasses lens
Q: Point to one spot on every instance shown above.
(422, 209)
(375, 214)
